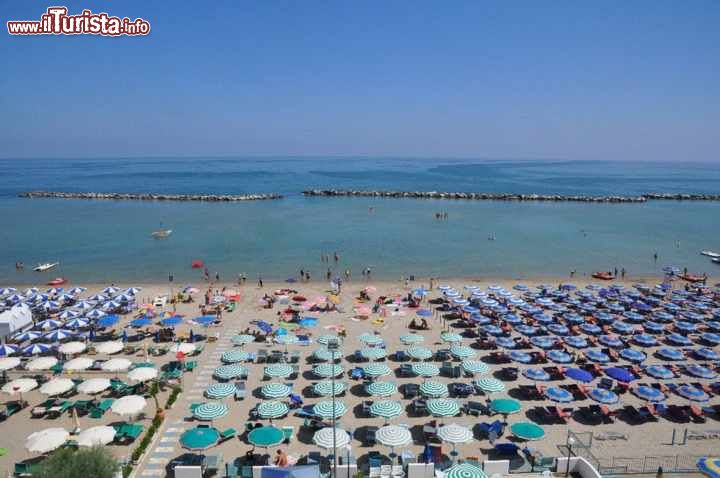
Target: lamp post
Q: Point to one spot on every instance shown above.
(570, 443)
(332, 346)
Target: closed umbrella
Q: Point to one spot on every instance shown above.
(266, 437)
(329, 409)
(324, 438)
(57, 386)
(272, 409)
(327, 388)
(210, 411)
(275, 390)
(96, 436)
(94, 385)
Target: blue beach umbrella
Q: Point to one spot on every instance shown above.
(536, 374)
(648, 393)
(205, 320)
(653, 327)
(633, 355)
(645, 340)
(692, 393)
(544, 342)
(172, 321)
(558, 329)
(57, 335)
(521, 357)
(597, 356)
(603, 396)
(108, 321)
(611, 341)
(558, 356)
(48, 324)
(620, 374)
(658, 371)
(700, 371)
(76, 323)
(579, 375)
(711, 338)
(559, 395)
(591, 329)
(29, 335)
(492, 330)
(95, 314)
(141, 322)
(685, 327)
(526, 329)
(36, 349)
(706, 354)
(670, 353)
(575, 341)
(7, 349)
(622, 327)
(678, 339)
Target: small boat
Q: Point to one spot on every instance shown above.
(711, 254)
(58, 281)
(46, 266)
(603, 275)
(716, 260)
(161, 233)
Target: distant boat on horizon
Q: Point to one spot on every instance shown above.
(161, 233)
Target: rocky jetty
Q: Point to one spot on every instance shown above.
(151, 197)
(508, 197)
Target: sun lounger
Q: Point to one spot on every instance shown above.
(289, 433)
(59, 408)
(240, 391)
(25, 469)
(190, 365)
(102, 407)
(262, 356)
(83, 407)
(40, 410)
(227, 434)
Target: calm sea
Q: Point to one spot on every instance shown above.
(110, 241)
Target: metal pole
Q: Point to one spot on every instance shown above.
(333, 346)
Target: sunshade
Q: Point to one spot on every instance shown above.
(324, 438)
(376, 370)
(79, 363)
(579, 375)
(326, 387)
(111, 347)
(329, 409)
(692, 393)
(129, 405)
(57, 386)
(46, 440)
(464, 470)
(9, 363)
(327, 370)
(443, 407)
(275, 390)
(227, 372)
(474, 367)
(142, 374)
(371, 353)
(235, 356)
(279, 370)
(620, 374)
(242, 339)
(94, 385)
(265, 437)
(381, 389)
(20, 385)
(220, 390)
(425, 369)
(71, 348)
(432, 388)
(272, 409)
(450, 337)
(560, 395)
(709, 466)
(658, 371)
(505, 406)
(116, 365)
(200, 438)
(409, 339)
(370, 339)
(210, 411)
(393, 435)
(527, 431)
(490, 385)
(325, 354)
(462, 351)
(603, 396)
(183, 347)
(648, 393)
(536, 374)
(96, 436)
(454, 434)
(386, 409)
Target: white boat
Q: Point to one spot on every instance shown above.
(716, 260)
(714, 255)
(46, 266)
(161, 233)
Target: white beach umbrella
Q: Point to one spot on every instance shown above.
(116, 365)
(324, 438)
(111, 347)
(94, 385)
(129, 405)
(57, 386)
(20, 385)
(183, 347)
(79, 363)
(142, 374)
(72, 348)
(46, 440)
(95, 436)
(42, 363)
(8, 363)
(393, 436)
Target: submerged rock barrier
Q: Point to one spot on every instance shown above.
(509, 197)
(151, 197)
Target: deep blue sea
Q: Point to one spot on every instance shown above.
(110, 241)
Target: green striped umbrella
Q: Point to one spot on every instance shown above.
(464, 470)
(370, 339)
(381, 389)
(393, 435)
(265, 437)
(454, 434)
(451, 337)
(325, 388)
(527, 431)
(210, 411)
(412, 339)
(376, 370)
(234, 356)
(431, 388)
(419, 353)
(278, 370)
(287, 339)
(226, 372)
(386, 409)
(462, 351)
(325, 409)
(443, 407)
(327, 370)
(242, 339)
(220, 390)
(200, 438)
(371, 353)
(505, 406)
(272, 409)
(275, 390)
(325, 354)
(425, 369)
(490, 385)
(327, 338)
(474, 367)
(324, 438)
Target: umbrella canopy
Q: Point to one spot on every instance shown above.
(129, 405)
(386, 409)
(324, 438)
(521, 357)
(72, 348)
(287, 339)
(371, 353)
(464, 470)
(443, 407)
(410, 339)
(425, 369)
(200, 438)
(265, 437)
(329, 409)
(110, 347)
(505, 406)
(648, 393)
(9, 363)
(658, 371)
(597, 356)
(381, 389)
(79, 363)
(57, 386)
(560, 395)
(220, 390)
(210, 411)
(490, 385)
(633, 355)
(393, 435)
(46, 440)
(20, 385)
(620, 374)
(116, 365)
(527, 431)
(272, 409)
(242, 339)
(327, 388)
(432, 388)
(183, 348)
(536, 374)
(462, 352)
(603, 396)
(327, 370)
(275, 390)
(474, 367)
(7, 349)
(454, 434)
(235, 356)
(94, 385)
(370, 339)
(419, 353)
(692, 393)
(376, 370)
(558, 356)
(42, 363)
(142, 374)
(227, 372)
(96, 436)
(709, 466)
(278, 370)
(36, 349)
(699, 371)
(324, 354)
(450, 337)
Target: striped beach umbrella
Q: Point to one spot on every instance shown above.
(328, 409)
(419, 353)
(490, 385)
(462, 352)
(527, 431)
(278, 370)
(324, 354)
(325, 388)
(443, 407)
(558, 356)
(474, 367)
(386, 409)
(210, 411)
(287, 339)
(376, 370)
(464, 470)
(272, 409)
(393, 436)
(227, 372)
(450, 337)
(324, 438)
(327, 370)
(371, 353)
(505, 406)
(425, 369)
(266, 437)
(432, 388)
(235, 356)
(7, 349)
(370, 339)
(275, 390)
(410, 339)
(709, 466)
(454, 434)
(381, 389)
(220, 390)
(327, 338)
(242, 339)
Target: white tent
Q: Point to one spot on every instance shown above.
(15, 319)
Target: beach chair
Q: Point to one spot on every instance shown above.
(231, 471)
(227, 434)
(606, 383)
(289, 433)
(59, 408)
(401, 356)
(357, 373)
(190, 365)
(23, 469)
(419, 407)
(294, 356)
(296, 401)
(83, 407)
(370, 435)
(406, 370)
(101, 408)
(262, 356)
(411, 390)
(696, 414)
(240, 391)
(474, 408)
(40, 410)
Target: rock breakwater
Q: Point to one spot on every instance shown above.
(150, 196)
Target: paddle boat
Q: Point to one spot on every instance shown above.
(58, 281)
(46, 266)
(603, 275)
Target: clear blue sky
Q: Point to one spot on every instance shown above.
(618, 80)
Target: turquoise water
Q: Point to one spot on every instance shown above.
(109, 241)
